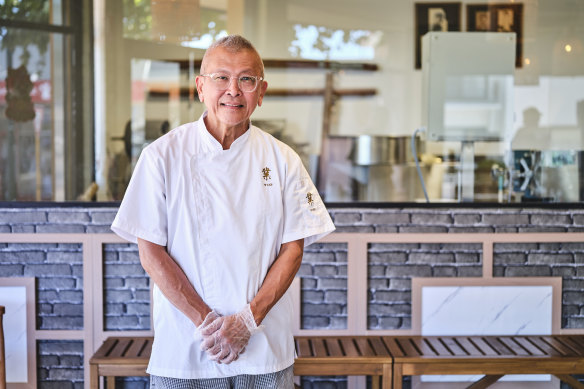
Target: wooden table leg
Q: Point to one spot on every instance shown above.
(375, 381)
(389, 377)
(573, 382)
(111, 382)
(485, 382)
(397, 376)
(93, 377)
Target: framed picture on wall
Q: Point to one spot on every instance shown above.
(499, 18)
(434, 17)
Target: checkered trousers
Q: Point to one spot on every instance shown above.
(283, 379)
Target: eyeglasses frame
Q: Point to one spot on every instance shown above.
(257, 78)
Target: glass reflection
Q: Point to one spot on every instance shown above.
(37, 11)
(319, 42)
(538, 158)
(183, 22)
(26, 116)
(548, 140)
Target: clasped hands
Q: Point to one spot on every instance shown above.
(225, 337)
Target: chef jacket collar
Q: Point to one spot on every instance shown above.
(214, 144)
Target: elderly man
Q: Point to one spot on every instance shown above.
(221, 212)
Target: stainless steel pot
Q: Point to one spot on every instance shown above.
(383, 150)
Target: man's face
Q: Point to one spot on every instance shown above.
(231, 107)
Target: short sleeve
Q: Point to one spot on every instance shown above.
(305, 216)
(142, 213)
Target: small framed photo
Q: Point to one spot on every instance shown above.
(434, 17)
(500, 18)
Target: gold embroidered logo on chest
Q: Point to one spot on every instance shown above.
(266, 176)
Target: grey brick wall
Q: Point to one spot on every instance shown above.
(56, 220)
(60, 364)
(58, 269)
(392, 266)
(126, 289)
(564, 260)
(452, 220)
(324, 286)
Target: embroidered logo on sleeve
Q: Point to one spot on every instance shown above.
(310, 201)
(266, 176)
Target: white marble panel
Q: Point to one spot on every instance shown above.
(13, 298)
(486, 310)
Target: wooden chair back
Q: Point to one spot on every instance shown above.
(2, 352)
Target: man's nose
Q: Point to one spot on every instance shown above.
(233, 88)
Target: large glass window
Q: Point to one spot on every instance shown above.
(486, 134)
(349, 87)
(46, 148)
(145, 77)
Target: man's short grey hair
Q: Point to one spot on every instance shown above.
(233, 44)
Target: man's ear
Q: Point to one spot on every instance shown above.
(263, 89)
(199, 83)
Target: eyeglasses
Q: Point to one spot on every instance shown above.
(221, 81)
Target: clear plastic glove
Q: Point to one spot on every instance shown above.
(210, 324)
(228, 341)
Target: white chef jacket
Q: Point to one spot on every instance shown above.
(223, 215)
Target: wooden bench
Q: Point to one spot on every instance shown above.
(357, 355)
(344, 355)
(120, 357)
(560, 356)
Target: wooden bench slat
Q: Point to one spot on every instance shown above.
(120, 348)
(558, 345)
(408, 346)
(147, 351)
(514, 347)
(364, 346)
(379, 346)
(303, 348)
(482, 345)
(579, 340)
(546, 348)
(105, 348)
(574, 349)
(349, 347)
(528, 346)
(453, 346)
(136, 347)
(334, 348)
(470, 347)
(574, 344)
(437, 345)
(393, 346)
(424, 348)
(496, 345)
(319, 347)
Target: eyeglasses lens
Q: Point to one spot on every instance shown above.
(245, 83)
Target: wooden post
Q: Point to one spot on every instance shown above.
(326, 128)
(2, 353)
